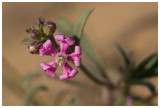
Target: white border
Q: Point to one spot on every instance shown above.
(73, 1)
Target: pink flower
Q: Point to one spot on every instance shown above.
(61, 57)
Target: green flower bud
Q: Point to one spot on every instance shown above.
(39, 23)
(49, 28)
(34, 34)
(29, 29)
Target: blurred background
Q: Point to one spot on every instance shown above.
(133, 25)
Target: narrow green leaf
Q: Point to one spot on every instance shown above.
(90, 53)
(72, 102)
(128, 67)
(123, 55)
(149, 85)
(59, 98)
(64, 27)
(147, 68)
(150, 62)
(29, 94)
(148, 74)
(27, 41)
(78, 28)
(30, 77)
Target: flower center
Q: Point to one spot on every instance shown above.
(61, 59)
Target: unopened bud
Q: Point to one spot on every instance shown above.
(35, 46)
(34, 34)
(39, 24)
(28, 30)
(31, 28)
(49, 28)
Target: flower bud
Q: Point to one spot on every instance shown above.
(39, 24)
(34, 34)
(35, 46)
(28, 30)
(49, 28)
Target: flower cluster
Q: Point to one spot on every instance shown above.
(61, 57)
(39, 32)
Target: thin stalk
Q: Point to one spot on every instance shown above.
(95, 78)
(129, 100)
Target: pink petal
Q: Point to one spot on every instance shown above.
(67, 68)
(73, 73)
(42, 51)
(48, 44)
(77, 53)
(70, 40)
(53, 54)
(64, 46)
(63, 77)
(48, 72)
(64, 42)
(77, 61)
(60, 37)
(49, 68)
(45, 66)
(70, 58)
(53, 75)
(68, 72)
(47, 48)
(78, 50)
(52, 63)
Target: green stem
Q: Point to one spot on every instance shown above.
(95, 78)
(129, 100)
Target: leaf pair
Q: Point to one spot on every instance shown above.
(149, 67)
(135, 75)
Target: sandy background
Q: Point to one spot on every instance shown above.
(133, 25)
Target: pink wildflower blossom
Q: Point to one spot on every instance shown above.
(61, 57)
